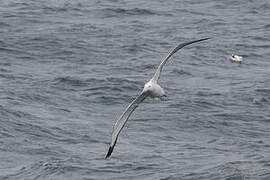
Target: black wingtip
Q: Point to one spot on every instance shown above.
(203, 39)
(207, 38)
(191, 42)
(109, 152)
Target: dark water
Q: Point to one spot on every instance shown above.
(69, 68)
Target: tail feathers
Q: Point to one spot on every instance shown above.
(109, 152)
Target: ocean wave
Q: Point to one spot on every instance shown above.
(69, 69)
(111, 12)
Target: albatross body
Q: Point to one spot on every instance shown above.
(151, 89)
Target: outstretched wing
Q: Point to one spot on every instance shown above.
(180, 46)
(123, 119)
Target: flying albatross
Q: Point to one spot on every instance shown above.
(151, 88)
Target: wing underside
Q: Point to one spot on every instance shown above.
(123, 119)
(177, 48)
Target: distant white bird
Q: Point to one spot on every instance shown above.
(151, 88)
(236, 58)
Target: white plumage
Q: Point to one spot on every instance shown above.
(151, 88)
(236, 58)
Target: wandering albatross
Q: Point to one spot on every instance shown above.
(151, 89)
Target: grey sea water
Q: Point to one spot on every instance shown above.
(69, 68)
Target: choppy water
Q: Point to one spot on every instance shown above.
(69, 68)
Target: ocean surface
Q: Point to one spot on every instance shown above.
(69, 68)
